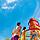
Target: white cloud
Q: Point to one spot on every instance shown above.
(7, 7)
(6, 4)
(4, 7)
(10, 1)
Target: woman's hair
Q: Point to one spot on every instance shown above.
(33, 19)
(18, 23)
(24, 28)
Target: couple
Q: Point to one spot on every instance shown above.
(16, 33)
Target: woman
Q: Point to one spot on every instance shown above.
(16, 32)
(33, 27)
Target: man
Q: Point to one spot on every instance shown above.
(16, 32)
(23, 37)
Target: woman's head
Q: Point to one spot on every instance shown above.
(33, 22)
(18, 26)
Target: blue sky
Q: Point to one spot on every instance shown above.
(13, 11)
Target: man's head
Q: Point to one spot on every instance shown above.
(18, 24)
(24, 28)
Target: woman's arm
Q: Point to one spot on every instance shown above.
(14, 31)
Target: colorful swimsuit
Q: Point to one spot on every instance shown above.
(15, 37)
(34, 35)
